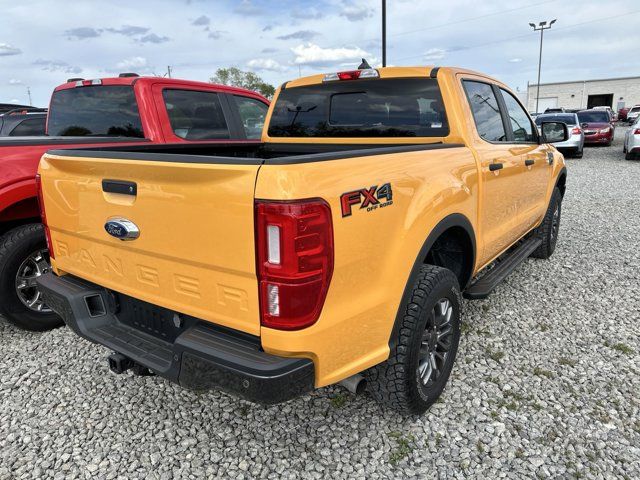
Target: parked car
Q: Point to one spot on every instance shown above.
(554, 110)
(255, 267)
(94, 113)
(574, 145)
(622, 113)
(631, 147)
(7, 107)
(633, 114)
(23, 122)
(597, 127)
(612, 114)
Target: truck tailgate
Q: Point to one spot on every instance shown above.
(195, 251)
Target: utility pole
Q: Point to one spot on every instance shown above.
(169, 71)
(541, 27)
(29, 94)
(384, 33)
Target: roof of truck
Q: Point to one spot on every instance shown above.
(133, 80)
(388, 72)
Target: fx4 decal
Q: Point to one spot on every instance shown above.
(369, 198)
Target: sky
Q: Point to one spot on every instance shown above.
(44, 42)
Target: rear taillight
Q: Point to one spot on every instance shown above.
(294, 250)
(43, 215)
(576, 131)
(636, 131)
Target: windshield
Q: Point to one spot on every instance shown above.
(96, 111)
(403, 107)
(593, 116)
(568, 119)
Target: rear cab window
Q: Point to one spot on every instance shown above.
(196, 115)
(105, 110)
(364, 108)
(593, 116)
(30, 127)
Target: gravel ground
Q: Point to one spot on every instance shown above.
(547, 384)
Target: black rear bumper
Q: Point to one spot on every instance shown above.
(191, 352)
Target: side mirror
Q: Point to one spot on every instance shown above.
(554, 132)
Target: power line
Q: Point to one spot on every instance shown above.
(502, 40)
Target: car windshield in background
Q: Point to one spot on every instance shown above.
(95, 111)
(568, 119)
(594, 116)
(406, 107)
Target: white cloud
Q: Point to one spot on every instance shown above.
(312, 54)
(354, 12)
(57, 66)
(7, 50)
(266, 64)
(15, 81)
(515, 60)
(132, 63)
(435, 54)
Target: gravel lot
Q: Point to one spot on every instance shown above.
(547, 384)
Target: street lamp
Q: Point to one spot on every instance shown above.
(542, 26)
(384, 33)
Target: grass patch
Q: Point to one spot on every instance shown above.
(339, 400)
(567, 362)
(541, 372)
(623, 348)
(405, 444)
(496, 355)
(543, 327)
(480, 446)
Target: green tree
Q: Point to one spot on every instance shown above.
(235, 77)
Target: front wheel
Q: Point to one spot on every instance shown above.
(23, 258)
(550, 227)
(425, 345)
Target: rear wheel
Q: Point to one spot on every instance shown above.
(425, 347)
(578, 154)
(23, 258)
(628, 156)
(550, 227)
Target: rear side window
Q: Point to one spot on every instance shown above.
(109, 110)
(520, 122)
(402, 107)
(486, 111)
(195, 115)
(30, 127)
(252, 115)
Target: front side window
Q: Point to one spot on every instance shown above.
(395, 107)
(252, 115)
(195, 115)
(101, 110)
(520, 122)
(486, 111)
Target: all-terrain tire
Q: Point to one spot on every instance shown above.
(397, 382)
(15, 247)
(550, 227)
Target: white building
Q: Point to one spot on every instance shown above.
(613, 92)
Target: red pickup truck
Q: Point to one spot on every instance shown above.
(123, 111)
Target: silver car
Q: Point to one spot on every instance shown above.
(633, 113)
(575, 144)
(631, 146)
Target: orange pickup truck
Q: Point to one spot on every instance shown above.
(335, 251)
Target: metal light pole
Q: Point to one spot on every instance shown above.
(384, 33)
(542, 26)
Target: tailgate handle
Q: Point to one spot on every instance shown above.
(120, 186)
(528, 162)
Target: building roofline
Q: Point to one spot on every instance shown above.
(586, 81)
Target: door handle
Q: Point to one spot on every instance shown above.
(528, 162)
(495, 166)
(550, 157)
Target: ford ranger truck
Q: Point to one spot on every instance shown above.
(127, 110)
(335, 251)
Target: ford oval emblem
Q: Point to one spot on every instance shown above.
(122, 228)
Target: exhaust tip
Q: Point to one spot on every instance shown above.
(355, 384)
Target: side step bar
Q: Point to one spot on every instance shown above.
(485, 284)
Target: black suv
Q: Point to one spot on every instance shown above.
(23, 122)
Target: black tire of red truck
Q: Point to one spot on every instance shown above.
(549, 229)
(24, 256)
(421, 360)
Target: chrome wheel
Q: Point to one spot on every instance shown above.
(33, 266)
(436, 342)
